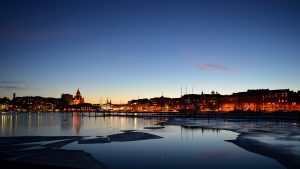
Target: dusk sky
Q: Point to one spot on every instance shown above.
(126, 50)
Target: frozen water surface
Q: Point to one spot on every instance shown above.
(120, 142)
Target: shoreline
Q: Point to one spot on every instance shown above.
(293, 115)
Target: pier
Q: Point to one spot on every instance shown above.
(222, 115)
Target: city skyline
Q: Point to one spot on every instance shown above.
(141, 49)
(259, 100)
(103, 100)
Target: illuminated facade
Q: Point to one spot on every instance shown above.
(262, 100)
(35, 104)
(78, 99)
(157, 104)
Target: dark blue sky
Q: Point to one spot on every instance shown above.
(130, 49)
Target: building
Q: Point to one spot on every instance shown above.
(4, 103)
(35, 104)
(67, 99)
(78, 99)
(260, 100)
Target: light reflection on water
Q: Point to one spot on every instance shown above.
(66, 124)
(180, 147)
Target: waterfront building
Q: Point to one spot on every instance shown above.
(261, 100)
(67, 99)
(4, 103)
(78, 99)
(35, 104)
(160, 103)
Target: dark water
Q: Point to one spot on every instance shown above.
(179, 148)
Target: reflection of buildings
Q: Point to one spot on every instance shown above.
(71, 123)
(203, 129)
(76, 122)
(78, 99)
(189, 133)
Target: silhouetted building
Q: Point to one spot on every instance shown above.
(4, 104)
(40, 104)
(190, 102)
(264, 100)
(35, 104)
(151, 105)
(67, 99)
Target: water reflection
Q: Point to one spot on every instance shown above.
(76, 121)
(179, 146)
(48, 124)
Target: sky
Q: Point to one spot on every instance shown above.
(125, 50)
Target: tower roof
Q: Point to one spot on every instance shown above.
(78, 92)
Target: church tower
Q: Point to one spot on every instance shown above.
(78, 99)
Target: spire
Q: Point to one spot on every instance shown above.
(181, 91)
(78, 99)
(78, 92)
(186, 89)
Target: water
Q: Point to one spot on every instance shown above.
(179, 148)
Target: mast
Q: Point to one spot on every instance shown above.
(186, 89)
(181, 91)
